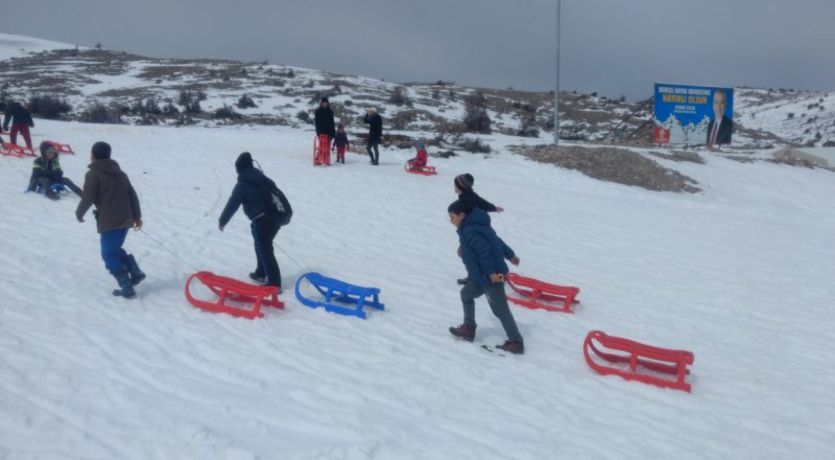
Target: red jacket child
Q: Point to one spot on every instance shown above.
(420, 160)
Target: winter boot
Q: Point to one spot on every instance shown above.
(463, 281)
(136, 275)
(513, 346)
(51, 194)
(464, 331)
(258, 277)
(125, 286)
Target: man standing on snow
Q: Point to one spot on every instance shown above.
(325, 131)
(117, 210)
(375, 134)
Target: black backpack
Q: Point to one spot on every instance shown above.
(276, 205)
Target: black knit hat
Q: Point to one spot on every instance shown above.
(101, 150)
(243, 162)
(464, 182)
(46, 146)
(325, 99)
(459, 206)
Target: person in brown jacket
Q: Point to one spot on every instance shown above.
(117, 210)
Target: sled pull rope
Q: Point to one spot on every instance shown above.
(161, 246)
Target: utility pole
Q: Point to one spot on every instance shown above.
(557, 89)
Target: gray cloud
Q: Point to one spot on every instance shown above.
(612, 46)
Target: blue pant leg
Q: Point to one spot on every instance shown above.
(111, 249)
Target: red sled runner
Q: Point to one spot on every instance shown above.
(661, 361)
(14, 150)
(424, 170)
(61, 148)
(228, 289)
(322, 150)
(537, 294)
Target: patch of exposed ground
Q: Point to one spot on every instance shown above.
(613, 165)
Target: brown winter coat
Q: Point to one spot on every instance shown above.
(107, 187)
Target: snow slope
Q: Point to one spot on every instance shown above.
(740, 274)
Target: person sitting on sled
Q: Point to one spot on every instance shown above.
(340, 143)
(421, 159)
(483, 254)
(46, 171)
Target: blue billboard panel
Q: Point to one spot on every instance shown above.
(693, 115)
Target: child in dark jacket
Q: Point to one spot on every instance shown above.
(46, 171)
(264, 226)
(464, 189)
(340, 143)
(483, 254)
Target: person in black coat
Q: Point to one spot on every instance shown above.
(323, 119)
(21, 122)
(325, 132)
(264, 227)
(375, 134)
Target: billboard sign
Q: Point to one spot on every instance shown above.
(693, 115)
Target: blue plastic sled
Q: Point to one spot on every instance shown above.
(351, 298)
(56, 187)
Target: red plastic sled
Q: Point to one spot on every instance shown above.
(661, 361)
(62, 148)
(14, 150)
(321, 150)
(228, 289)
(424, 170)
(537, 294)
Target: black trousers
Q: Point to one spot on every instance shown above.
(375, 155)
(264, 230)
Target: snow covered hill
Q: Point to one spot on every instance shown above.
(740, 274)
(114, 86)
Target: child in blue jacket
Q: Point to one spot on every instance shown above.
(483, 254)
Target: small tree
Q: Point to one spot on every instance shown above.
(476, 119)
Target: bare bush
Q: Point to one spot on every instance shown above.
(226, 113)
(48, 107)
(473, 145)
(246, 102)
(99, 113)
(476, 119)
(398, 97)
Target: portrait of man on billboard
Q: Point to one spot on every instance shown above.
(720, 127)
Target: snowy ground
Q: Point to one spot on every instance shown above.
(740, 274)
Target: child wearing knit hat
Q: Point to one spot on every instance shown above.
(471, 199)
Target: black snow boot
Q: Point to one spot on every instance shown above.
(259, 278)
(463, 281)
(125, 286)
(136, 275)
(464, 331)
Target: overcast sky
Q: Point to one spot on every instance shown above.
(611, 46)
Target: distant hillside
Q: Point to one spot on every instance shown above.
(115, 87)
